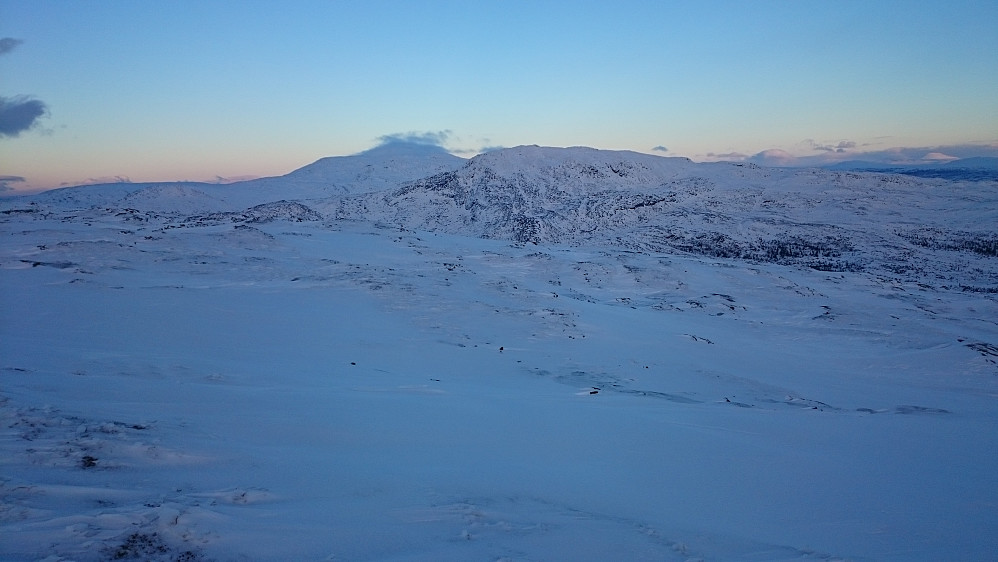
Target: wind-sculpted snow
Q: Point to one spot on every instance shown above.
(541, 354)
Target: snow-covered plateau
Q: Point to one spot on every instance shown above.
(534, 354)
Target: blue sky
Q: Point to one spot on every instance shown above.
(201, 90)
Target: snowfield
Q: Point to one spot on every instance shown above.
(535, 354)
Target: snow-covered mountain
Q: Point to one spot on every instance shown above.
(889, 225)
(980, 168)
(379, 168)
(383, 167)
(525, 194)
(534, 354)
(932, 231)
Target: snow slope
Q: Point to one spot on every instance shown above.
(382, 167)
(379, 168)
(330, 379)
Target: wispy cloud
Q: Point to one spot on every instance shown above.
(724, 157)
(775, 157)
(7, 44)
(98, 181)
(6, 181)
(843, 151)
(840, 146)
(660, 148)
(233, 179)
(430, 138)
(939, 157)
(18, 114)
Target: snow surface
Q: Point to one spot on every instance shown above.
(192, 373)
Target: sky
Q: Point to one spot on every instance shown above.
(220, 90)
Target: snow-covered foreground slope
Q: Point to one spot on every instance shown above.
(273, 385)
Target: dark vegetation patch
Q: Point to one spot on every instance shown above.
(827, 253)
(151, 547)
(982, 243)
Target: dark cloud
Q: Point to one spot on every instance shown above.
(660, 148)
(18, 114)
(108, 179)
(102, 180)
(7, 44)
(430, 138)
(6, 181)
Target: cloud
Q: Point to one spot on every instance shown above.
(660, 148)
(6, 181)
(931, 154)
(7, 44)
(774, 157)
(18, 114)
(840, 147)
(430, 138)
(98, 181)
(894, 156)
(726, 156)
(939, 157)
(233, 179)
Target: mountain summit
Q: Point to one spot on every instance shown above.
(383, 167)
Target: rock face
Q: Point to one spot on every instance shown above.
(528, 194)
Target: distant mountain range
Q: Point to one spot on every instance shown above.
(971, 169)
(887, 223)
(980, 163)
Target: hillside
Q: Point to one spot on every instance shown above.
(534, 354)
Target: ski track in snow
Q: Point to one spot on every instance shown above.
(195, 373)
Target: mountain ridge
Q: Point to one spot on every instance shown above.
(925, 230)
(820, 219)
